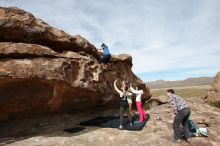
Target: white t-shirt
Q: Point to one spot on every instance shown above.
(138, 93)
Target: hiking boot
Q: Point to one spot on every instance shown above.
(189, 140)
(177, 141)
(120, 127)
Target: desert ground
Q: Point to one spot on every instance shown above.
(49, 131)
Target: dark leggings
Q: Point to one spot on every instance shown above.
(105, 59)
(122, 111)
(181, 118)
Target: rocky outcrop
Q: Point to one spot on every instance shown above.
(45, 70)
(17, 25)
(157, 100)
(214, 92)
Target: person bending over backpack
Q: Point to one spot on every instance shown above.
(182, 113)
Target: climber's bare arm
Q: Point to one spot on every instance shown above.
(116, 88)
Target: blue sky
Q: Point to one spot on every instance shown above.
(168, 39)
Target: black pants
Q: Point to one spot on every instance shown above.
(105, 59)
(181, 118)
(122, 111)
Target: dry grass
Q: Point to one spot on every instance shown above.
(194, 91)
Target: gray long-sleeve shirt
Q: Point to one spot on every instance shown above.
(178, 103)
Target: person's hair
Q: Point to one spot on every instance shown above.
(171, 91)
(126, 85)
(139, 87)
(103, 45)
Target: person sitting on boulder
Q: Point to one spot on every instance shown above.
(139, 92)
(182, 113)
(106, 55)
(123, 93)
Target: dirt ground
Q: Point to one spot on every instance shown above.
(49, 131)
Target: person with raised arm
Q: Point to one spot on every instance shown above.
(129, 98)
(124, 107)
(139, 92)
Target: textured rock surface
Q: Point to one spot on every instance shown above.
(214, 93)
(44, 70)
(17, 25)
(157, 100)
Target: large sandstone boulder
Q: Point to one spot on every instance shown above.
(17, 25)
(214, 92)
(45, 70)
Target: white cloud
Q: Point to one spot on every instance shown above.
(160, 35)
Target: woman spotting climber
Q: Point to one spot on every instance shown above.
(124, 107)
(129, 98)
(139, 92)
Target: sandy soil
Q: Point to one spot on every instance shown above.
(48, 131)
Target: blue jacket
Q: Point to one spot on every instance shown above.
(106, 51)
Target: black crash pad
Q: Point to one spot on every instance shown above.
(74, 130)
(113, 122)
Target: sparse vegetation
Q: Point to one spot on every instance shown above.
(181, 83)
(199, 91)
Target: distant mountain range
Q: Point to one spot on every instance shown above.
(180, 83)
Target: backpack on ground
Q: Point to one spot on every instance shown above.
(192, 125)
